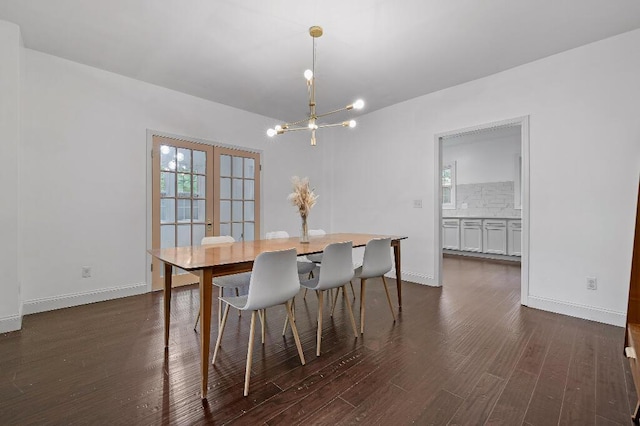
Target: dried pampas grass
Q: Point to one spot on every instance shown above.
(302, 196)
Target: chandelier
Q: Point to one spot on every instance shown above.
(310, 122)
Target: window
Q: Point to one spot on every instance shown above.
(449, 186)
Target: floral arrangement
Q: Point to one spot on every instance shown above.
(302, 196)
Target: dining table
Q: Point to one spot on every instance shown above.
(210, 261)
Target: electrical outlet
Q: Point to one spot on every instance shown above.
(86, 272)
(417, 204)
(592, 283)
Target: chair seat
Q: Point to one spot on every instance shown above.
(315, 257)
(238, 302)
(235, 280)
(311, 284)
(305, 267)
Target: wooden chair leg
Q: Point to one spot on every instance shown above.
(264, 311)
(295, 332)
(286, 319)
(319, 331)
(304, 296)
(220, 294)
(335, 300)
(195, 326)
(362, 287)
(247, 373)
(286, 323)
(635, 417)
(220, 331)
(238, 294)
(386, 289)
(352, 290)
(353, 320)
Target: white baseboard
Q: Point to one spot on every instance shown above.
(11, 323)
(75, 299)
(414, 277)
(579, 311)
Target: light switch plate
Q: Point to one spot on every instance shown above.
(417, 204)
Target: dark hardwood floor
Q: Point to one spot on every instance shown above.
(464, 354)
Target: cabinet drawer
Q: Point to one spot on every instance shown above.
(472, 223)
(490, 223)
(451, 222)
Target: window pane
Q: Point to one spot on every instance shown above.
(249, 213)
(237, 167)
(199, 162)
(446, 176)
(237, 211)
(248, 189)
(167, 236)
(199, 186)
(225, 188)
(236, 194)
(184, 211)
(184, 235)
(167, 158)
(249, 168)
(225, 211)
(446, 195)
(184, 160)
(198, 211)
(184, 185)
(167, 184)
(248, 231)
(198, 234)
(236, 231)
(225, 229)
(167, 210)
(225, 165)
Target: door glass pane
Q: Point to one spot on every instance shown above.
(249, 213)
(236, 194)
(184, 235)
(248, 231)
(225, 165)
(446, 195)
(167, 184)
(200, 162)
(199, 186)
(167, 210)
(184, 160)
(225, 188)
(225, 229)
(198, 234)
(184, 185)
(184, 211)
(237, 211)
(167, 158)
(167, 236)
(198, 211)
(237, 167)
(236, 231)
(249, 168)
(225, 211)
(248, 189)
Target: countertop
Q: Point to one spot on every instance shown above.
(482, 217)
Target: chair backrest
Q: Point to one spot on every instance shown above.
(217, 240)
(274, 279)
(316, 232)
(276, 234)
(377, 258)
(337, 265)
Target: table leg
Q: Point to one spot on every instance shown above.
(396, 252)
(168, 270)
(206, 276)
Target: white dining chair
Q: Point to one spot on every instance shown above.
(304, 267)
(376, 263)
(274, 281)
(235, 282)
(336, 272)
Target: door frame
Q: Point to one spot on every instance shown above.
(149, 186)
(523, 122)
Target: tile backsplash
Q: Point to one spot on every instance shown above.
(489, 199)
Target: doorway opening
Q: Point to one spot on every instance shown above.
(482, 190)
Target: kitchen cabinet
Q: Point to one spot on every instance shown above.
(514, 237)
(451, 234)
(471, 235)
(494, 236)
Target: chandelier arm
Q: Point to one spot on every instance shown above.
(296, 122)
(332, 112)
(293, 129)
(323, 126)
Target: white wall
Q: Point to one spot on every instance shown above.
(484, 160)
(84, 175)
(10, 316)
(584, 157)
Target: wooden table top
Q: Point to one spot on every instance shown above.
(245, 252)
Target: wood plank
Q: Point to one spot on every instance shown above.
(514, 400)
(440, 410)
(477, 407)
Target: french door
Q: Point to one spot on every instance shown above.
(201, 190)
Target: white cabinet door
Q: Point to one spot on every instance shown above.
(451, 234)
(495, 236)
(471, 235)
(514, 237)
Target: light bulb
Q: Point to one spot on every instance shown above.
(271, 133)
(352, 123)
(180, 156)
(308, 74)
(359, 104)
(165, 149)
(278, 128)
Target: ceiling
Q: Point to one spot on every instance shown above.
(251, 54)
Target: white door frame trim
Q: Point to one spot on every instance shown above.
(523, 122)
